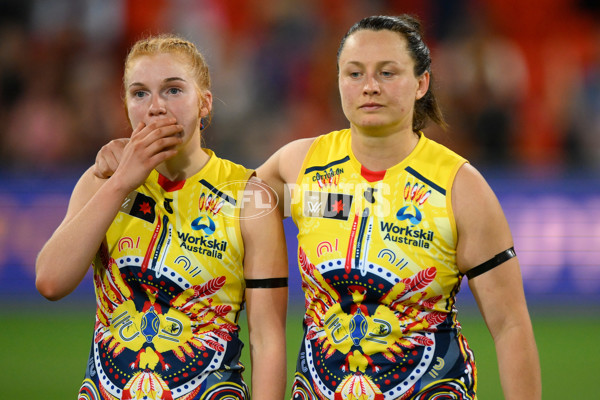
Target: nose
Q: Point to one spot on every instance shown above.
(371, 85)
(157, 106)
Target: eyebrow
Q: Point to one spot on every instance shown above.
(167, 80)
(379, 63)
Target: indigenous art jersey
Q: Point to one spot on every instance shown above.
(377, 255)
(169, 287)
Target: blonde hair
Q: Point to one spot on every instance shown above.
(173, 44)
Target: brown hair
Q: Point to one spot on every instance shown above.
(410, 28)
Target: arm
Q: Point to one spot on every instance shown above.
(265, 257)
(66, 257)
(482, 233)
(281, 171)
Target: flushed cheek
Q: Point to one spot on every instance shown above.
(347, 101)
(135, 115)
(346, 109)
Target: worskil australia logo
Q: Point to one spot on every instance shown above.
(209, 205)
(208, 226)
(410, 213)
(416, 195)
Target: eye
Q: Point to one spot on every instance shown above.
(354, 74)
(174, 90)
(138, 94)
(387, 74)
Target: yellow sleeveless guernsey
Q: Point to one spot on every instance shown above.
(169, 288)
(377, 255)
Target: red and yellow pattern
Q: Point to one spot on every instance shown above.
(377, 255)
(169, 288)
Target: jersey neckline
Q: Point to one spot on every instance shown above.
(376, 176)
(172, 186)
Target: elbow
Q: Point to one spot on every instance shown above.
(47, 289)
(47, 286)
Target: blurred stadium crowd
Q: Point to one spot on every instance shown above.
(519, 81)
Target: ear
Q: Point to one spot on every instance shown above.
(205, 103)
(423, 85)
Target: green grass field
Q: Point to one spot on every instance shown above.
(43, 352)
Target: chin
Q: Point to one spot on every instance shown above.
(371, 125)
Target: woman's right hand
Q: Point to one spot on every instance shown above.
(131, 160)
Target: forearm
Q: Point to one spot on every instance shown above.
(269, 367)
(518, 363)
(65, 258)
(267, 310)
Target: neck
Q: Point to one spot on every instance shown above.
(383, 151)
(184, 164)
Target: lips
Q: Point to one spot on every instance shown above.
(370, 106)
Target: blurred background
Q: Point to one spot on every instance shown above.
(518, 81)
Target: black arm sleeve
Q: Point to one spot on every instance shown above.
(268, 283)
(491, 263)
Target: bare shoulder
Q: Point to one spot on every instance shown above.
(292, 157)
(299, 145)
(472, 189)
(284, 165)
